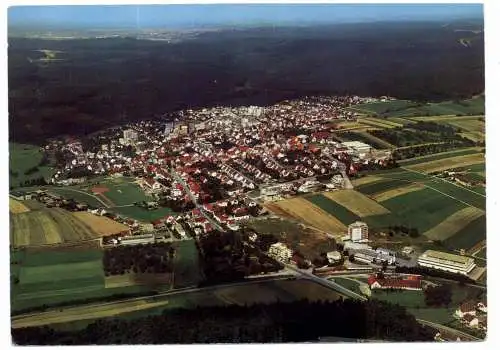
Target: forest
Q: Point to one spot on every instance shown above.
(99, 83)
(299, 321)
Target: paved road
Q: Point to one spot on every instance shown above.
(193, 198)
(82, 192)
(440, 327)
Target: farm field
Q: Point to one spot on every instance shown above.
(17, 207)
(156, 281)
(407, 298)
(448, 163)
(379, 123)
(302, 209)
(383, 184)
(395, 192)
(373, 140)
(259, 292)
(422, 209)
(469, 235)
(454, 223)
(101, 225)
(308, 241)
(356, 202)
(79, 195)
(55, 225)
(437, 156)
(23, 157)
(47, 226)
(365, 180)
(345, 216)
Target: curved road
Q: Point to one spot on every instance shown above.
(440, 327)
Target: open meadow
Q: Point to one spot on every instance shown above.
(23, 158)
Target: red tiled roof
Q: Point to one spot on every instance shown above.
(468, 306)
(396, 282)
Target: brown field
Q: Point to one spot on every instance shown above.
(101, 225)
(398, 191)
(275, 208)
(356, 202)
(17, 207)
(366, 180)
(99, 189)
(453, 223)
(133, 279)
(66, 247)
(55, 226)
(302, 209)
(84, 312)
(448, 163)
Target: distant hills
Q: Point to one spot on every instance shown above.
(108, 81)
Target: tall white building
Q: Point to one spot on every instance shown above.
(446, 262)
(280, 252)
(130, 136)
(358, 231)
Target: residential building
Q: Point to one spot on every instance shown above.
(466, 308)
(481, 306)
(408, 282)
(447, 262)
(130, 136)
(280, 252)
(333, 257)
(358, 231)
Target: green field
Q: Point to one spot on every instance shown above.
(380, 186)
(341, 213)
(422, 209)
(406, 298)
(469, 236)
(123, 191)
(436, 156)
(187, 272)
(347, 283)
(23, 157)
(142, 214)
(403, 108)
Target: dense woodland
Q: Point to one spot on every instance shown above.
(299, 321)
(104, 82)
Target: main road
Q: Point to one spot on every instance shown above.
(446, 329)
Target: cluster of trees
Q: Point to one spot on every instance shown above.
(410, 231)
(227, 259)
(39, 181)
(31, 170)
(436, 296)
(422, 150)
(299, 321)
(178, 205)
(149, 258)
(442, 129)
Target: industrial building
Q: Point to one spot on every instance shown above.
(358, 231)
(138, 239)
(447, 262)
(372, 256)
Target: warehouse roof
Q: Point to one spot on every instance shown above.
(434, 254)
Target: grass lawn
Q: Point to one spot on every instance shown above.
(142, 214)
(346, 283)
(341, 213)
(406, 298)
(438, 315)
(23, 157)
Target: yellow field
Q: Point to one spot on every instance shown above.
(384, 123)
(349, 125)
(85, 312)
(453, 223)
(366, 180)
(448, 163)
(17, 207)
(356, 202)
(132, 279)
(101, 225)
(468, 124)
(394, 192)
(307, 212)
(476, 136)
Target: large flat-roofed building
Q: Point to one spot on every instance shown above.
(137, 239)
(446, 262)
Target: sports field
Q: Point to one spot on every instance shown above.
(356, 202)
(302, 209)
(17, 207)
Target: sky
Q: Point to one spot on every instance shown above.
(176, 16)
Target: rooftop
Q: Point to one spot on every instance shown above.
(434, 254)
